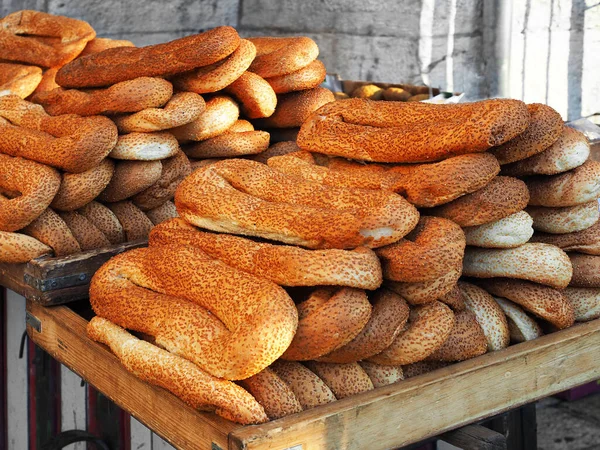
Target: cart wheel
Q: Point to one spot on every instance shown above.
(65, 438)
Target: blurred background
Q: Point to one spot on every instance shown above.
(535, 50)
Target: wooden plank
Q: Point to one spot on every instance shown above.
(16, 373)
(73, 414)
(448, 398)
(63, 335)
(475, 437)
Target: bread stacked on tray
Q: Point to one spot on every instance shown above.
(117, 123)
(384, 91)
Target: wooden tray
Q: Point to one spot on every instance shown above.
(387, 417)
(54, 281)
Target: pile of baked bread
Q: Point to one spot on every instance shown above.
(391, 239)
(96, 134)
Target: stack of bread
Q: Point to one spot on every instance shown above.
(105, 122)
(384, 91)
(368, 222)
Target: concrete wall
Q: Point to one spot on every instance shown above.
(537, 50)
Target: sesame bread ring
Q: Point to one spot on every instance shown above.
(230, 144)
(308, 388)
(47, 83)
(105, 220)
(174, 170)
(509, 232)
(417, 293)
(522, 327)
(88, 236)
(344, 380)
(543, 301)
(18, 79)
(276, 56)
(381, 375)
(421, 368)
(220, 114)
(466, 340)
(98, 45)
(282, 264)
(126, 63)
(427, 329)
(78, 189)
(454, 298)
(130, 178)
(125, 97)
(272, 393)
(145, 146)
(51, 230)
(219, 75)
(180, 377)
(500, 198)
(412, 132)
(232, 332)
(295, 108)
(585, 301)
(163, 213)
(586, 241)
(586, 270)
(133, 220)
(424, 254)
(277, 149)
(568, 219)
(42, 39)
(577, 186)
(541, 263)
(240, 126)
(245, 197)
(489, 315)
(256, 97)
(31, 186)
(570, 151)
(308, 77)
(74, 144)
(388, 317)
(20, 248)
(545, 127)
(334, 320)
(182, 108)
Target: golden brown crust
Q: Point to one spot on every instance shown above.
(577, 186)
(130, 178)
(308, 77)
(182, 108)
(585, 241)
(417, 293)
(174, 170)
(308, 388)
(509, 232)
(124, 97)
(51, 230)
(295, 108)
(498, 199)
(427, 329)
(388, 317)
(74, 144)
(454, 298)
(543, 301)
(421, 368)
(19, 79)
(230, 144)
(585, 302)
(343, 379)
(163, 213)
(467, 340)
(126, 63)
(541, 263)
(20, 248)
(47, 82)
(133, 220)
(381, 375)
(232, 332)
(256, 97)
(545, 127)
(173, 373)
(145, 146)
(411, 132)
(265, 203)
(105, 220)
(336, 321)
(276, 56)
(31, 186)
(78, 189)
(88, 236)
(42, 39)
(568, 219)
(219, 75)
(98, 45)
(277, 149)
(285, 265)
(522, 327)
(220, 114)
(424, 254)
(586, 270)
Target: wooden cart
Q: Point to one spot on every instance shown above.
(387, 417)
